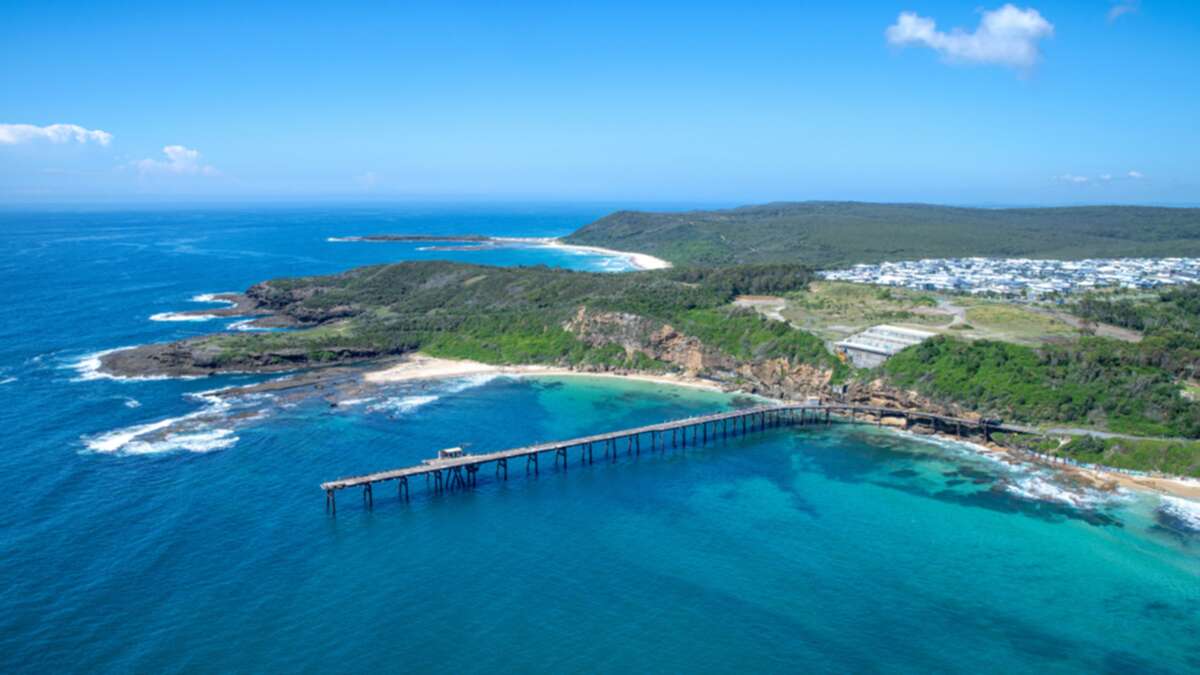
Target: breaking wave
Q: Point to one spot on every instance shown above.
(247, 326)
(212, 298)
(194, 432)
(1182, 512)
(132, 441)
(1038, 487)
(88, 366)
(182, 316)
(410, 401)
(401, 404)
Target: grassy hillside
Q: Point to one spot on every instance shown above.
(837, 309)
(828, 234)
(515, 315)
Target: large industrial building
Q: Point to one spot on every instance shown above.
(877, 344)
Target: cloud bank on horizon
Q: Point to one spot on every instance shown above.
(1075, 179)
(1007, 36)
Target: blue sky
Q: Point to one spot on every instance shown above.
(1038, 103)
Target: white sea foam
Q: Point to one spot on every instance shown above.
(213, 298)
(247, 325)
(116, 440)
(351, 402)
(182, 316)
(401, 404)
(1038, 488)
(1185, 511)
(464, 383)
(8, 380)
(337, 239)
(88, 366)
(194, 434)
(131, 402)
(198, 441)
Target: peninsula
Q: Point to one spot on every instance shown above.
(691, 322)
(834, 234)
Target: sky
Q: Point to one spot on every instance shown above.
(1046, 102)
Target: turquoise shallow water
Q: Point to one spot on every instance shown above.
(842, 549)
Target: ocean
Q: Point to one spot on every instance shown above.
(842, 549)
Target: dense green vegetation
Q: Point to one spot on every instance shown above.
(1181, 458)
(1095, 382)
(1164, 455)
(530, 315)
(1174, 308)
(827, 234)
(517, 315)
(1168, 318)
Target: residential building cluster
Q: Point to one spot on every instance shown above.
(1023, 276)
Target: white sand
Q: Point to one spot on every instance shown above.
(642, 261)
(422, 367)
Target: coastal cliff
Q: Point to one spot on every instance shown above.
(497, 315)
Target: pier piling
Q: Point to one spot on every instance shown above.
(462, 472)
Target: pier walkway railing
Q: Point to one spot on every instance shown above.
(460, 472)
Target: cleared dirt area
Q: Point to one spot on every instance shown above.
(834, 310)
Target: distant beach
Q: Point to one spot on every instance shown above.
(642, 261)
(639, 261)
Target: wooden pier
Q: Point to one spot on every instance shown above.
(461, 471)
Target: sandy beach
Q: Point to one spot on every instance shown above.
(642, 261)
(423, 367)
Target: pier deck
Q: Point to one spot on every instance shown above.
(448, 473)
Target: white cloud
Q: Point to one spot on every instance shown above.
(1007, 36)
(180, 160)
(1122, 7)
(367, 181)
(1072, 178)
(12, 134)
(1075, 179)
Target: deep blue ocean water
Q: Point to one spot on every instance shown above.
(834, 550)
